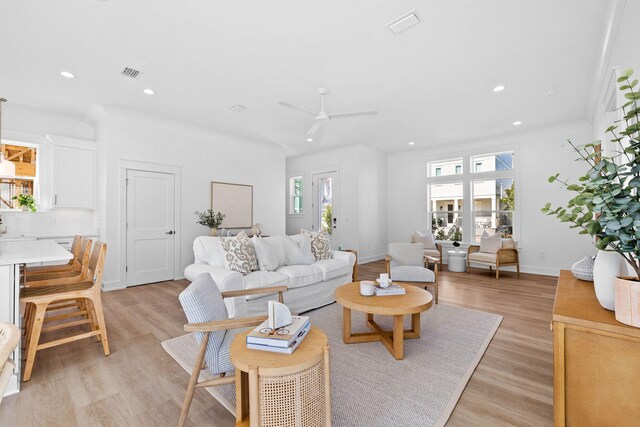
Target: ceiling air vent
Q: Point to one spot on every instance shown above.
(404, 22)
(130, 72)
(237, 108)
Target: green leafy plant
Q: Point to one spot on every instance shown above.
(441, 233)
(454, 234)
(606, 204)
(27, 201)
(327, 218)
(210, 219)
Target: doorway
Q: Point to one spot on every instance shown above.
(326, 205)
(150, 226)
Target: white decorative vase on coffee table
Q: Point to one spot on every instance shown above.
(607, 267)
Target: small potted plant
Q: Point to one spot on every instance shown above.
(26, 202)
(606, 205)
(210, 219)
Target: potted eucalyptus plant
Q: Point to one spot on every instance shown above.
(210, 219)
(606, 202)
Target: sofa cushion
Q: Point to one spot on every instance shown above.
(208, 250)
(301, 275)
(266, 255)
(239, 254)
(298, 250)
(432, 252)
(277, 243)
(332, 268)
(412, 273)
(426, 239)
(482, 257)
(263, 279)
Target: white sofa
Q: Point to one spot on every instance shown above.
(310, 286)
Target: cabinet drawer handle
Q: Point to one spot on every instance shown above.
(55, 200)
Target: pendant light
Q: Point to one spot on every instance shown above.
(7, 168)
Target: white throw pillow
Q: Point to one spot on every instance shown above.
(298, 250)
(426, 239)
(266, 254)
(490, 244)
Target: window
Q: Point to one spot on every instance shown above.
(446, 167)
(25, 158)
(482, 201)
(295, 195)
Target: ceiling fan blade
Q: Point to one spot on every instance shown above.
(314, 128)
(304, 110)
(353, 114)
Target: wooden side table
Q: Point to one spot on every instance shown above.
(283, 389)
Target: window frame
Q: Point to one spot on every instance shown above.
(467, 177)
(291, 197)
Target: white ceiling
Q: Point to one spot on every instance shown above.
(431, 84)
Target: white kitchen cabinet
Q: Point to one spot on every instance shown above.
(73, 175)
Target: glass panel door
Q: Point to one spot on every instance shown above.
(325, 189)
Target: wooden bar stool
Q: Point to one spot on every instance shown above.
(77, 273)
(75, 249)
(38, 298)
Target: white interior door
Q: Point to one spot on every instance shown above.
(325, 205)
(150, 227)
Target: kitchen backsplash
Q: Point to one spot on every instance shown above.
(57, 222)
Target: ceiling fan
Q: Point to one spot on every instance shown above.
(323, 117)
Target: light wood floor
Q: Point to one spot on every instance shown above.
(140, 385)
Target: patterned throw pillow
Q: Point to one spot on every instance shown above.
(239, 254)
(320, 244)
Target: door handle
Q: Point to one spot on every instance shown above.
(169, 232)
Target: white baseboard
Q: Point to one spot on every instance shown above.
(370, 258)
(113, 285)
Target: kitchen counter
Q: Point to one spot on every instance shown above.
(29, 251)
(14, 254)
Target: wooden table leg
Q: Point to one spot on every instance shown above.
(415, 324)
(398, 337)
(346, 324)
(242, 395)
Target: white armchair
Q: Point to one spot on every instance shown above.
(506, 255)
(407, 263)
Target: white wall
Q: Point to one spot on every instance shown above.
(203, 156)
(539, 154)
(362, 195)
(31, 125)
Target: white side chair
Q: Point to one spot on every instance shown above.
(407, 263)
(9, 337)
(203, 304)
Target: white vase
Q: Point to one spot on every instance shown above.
(607, 267)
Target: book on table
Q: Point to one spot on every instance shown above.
(392, 289)
(284, 350)
(283, 337)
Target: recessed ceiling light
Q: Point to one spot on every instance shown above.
(309, 139)
(517, 123)
(411, 143)
(67, 74)
(499, 88)
(149, 91)
(550, 93)
(237, 108)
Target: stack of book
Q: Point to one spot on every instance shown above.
(392, 289)
(281, 340)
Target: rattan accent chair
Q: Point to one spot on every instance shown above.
(507, 255)
(204, 307)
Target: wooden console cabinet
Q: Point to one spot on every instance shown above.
(596, 360)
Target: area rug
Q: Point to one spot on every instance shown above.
(369, 387)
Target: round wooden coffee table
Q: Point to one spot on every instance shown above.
(414, 302)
